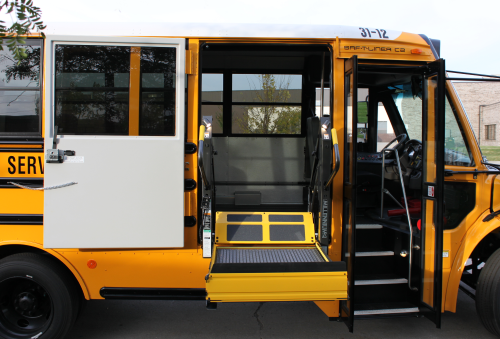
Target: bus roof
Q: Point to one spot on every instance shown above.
(208, 30)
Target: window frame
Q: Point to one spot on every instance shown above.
(17, 135)
(179, 93)
(227, 102)
(487, 132)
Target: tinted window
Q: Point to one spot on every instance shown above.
(88, 101)
(20, 104)
(157, 116)
(115, 90)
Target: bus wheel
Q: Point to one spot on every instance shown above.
(488, 294)
(37, 298)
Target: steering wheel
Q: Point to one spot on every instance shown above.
(416, 157)
(401, 143)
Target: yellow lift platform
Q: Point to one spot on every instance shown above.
(271, 256)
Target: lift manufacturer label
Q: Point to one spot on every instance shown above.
(207, 243)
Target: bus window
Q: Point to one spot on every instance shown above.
(212, 99)
(409, 105)
(266, 104)
(96, 94)
(20, 104)
(385, 131)
(157, 109)
(456, 150)
(326, 102)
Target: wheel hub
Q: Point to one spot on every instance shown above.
(25, 307)
(25, 303)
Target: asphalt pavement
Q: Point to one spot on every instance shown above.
(113, 319)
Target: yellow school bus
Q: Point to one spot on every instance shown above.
(240, 163)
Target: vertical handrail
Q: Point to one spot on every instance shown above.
(322, 96)
(382, 188)
(201, 164)
(406, 208)
(335, 143)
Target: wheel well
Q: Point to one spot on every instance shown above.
(484, 249)
(7, 250)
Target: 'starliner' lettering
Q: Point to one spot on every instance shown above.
(375, 49)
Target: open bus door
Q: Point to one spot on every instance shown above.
(114, 142)
(429, 284)
(433, 120)
(349, 209)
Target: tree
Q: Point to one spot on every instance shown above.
(27, 19)
(274, 116)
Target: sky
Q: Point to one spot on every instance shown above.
(468, 30)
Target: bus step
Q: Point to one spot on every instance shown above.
(373, 254)
(384, 308)
(368, 226)
(382, 279)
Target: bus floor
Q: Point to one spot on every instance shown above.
(113, 319)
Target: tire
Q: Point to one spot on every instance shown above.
(488, 294)
(38, 299)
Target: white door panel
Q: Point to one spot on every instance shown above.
(130, 189)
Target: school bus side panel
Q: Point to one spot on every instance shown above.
(474, 235)
(31, 236)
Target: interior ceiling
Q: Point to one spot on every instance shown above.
(258, 57)
(382, 79)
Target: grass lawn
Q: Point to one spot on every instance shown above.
(491, 152)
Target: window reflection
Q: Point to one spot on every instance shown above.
(157, 110)
(93, 95)
(87, 99)
(20, 91)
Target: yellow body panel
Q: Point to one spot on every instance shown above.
(297, 286)
(474, 235)
(454, 239)
(134, 90)
(140, 268)
(380, 49)
(17, 201)
(330, 308)
(32, 236)
(191, 160)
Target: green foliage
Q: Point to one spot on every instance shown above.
(27, 19)
(274, 116)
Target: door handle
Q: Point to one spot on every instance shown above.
(57, 155)
(43, 188)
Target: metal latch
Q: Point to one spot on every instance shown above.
(55, 155)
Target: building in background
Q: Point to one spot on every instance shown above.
(481, 100)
